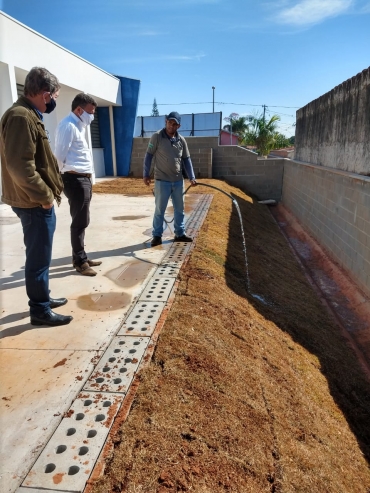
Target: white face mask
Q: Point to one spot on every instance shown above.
(87, 118)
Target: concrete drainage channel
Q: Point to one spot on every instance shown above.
(68, 459)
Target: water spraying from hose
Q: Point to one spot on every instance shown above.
(248, 283)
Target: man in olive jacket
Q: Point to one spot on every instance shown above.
(30, 183)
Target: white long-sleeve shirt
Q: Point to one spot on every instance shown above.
(71, 149)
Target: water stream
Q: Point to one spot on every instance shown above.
(248, 282)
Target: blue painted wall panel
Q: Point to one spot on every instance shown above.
(124, 123)
(105, 139)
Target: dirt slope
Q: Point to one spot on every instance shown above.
(243, 396)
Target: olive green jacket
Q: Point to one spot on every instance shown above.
(29, 171)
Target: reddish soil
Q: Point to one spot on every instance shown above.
(240, 395)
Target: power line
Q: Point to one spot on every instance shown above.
(220, 102)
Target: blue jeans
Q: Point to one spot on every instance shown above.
(163, 190)
(38, 231)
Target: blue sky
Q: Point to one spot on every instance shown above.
(281, 53)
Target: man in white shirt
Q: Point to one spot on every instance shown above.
(75, 163)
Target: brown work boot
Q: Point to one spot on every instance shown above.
(94, 263)
(85, 270)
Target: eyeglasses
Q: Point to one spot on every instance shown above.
(173, 123)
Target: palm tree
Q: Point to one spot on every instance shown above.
(261, 133)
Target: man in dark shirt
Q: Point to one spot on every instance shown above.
(168, 150)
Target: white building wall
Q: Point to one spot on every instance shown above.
(24, 48)
(21, 48)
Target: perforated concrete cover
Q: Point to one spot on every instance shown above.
(118, 365)
(168, 269)
(157, 289)
(177, 252)
(142, 319)
(66, 462)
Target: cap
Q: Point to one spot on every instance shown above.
(174, 116)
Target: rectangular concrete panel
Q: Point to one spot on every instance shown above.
(142, 319)
(117, 367)
(69, 457)
(158, 289)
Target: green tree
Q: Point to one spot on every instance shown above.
(238, 125)
(280, 141)
(155, 111)
(292, 140)
(261, 133)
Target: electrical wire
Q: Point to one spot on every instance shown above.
(220, 102)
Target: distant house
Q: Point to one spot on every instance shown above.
(227, 138)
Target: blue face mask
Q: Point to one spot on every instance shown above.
(51, 105)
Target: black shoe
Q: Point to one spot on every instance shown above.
(157, 240)
(51, 319)
(57, 302)
(184, 238)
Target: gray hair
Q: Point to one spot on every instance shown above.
(83, 100)
(39, 79)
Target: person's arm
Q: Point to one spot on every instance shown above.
(152, 147)
(63, 141)
(20, 148)
(147, 164)
(188, 165)
(189, 170)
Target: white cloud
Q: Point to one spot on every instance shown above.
(312, 11)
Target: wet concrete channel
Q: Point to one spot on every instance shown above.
(52, 373)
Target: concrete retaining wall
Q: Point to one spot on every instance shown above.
(242, 168)
(236, 165)
(334, 206)
(334, 129)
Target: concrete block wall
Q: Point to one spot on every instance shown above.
(242, 168)
(334, 206)
(139, 147)
(236, 165)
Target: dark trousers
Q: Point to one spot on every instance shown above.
(38, 231)
(78, 190)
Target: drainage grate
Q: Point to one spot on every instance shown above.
(143, 318)
(66, 462)
(158, 289)
(118, 365)
(177, 253)
(168, 269)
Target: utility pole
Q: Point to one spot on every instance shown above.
(264, 112)
(213, 100)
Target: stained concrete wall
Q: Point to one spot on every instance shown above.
(236, 165)
(334, 206)
(334, 129)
